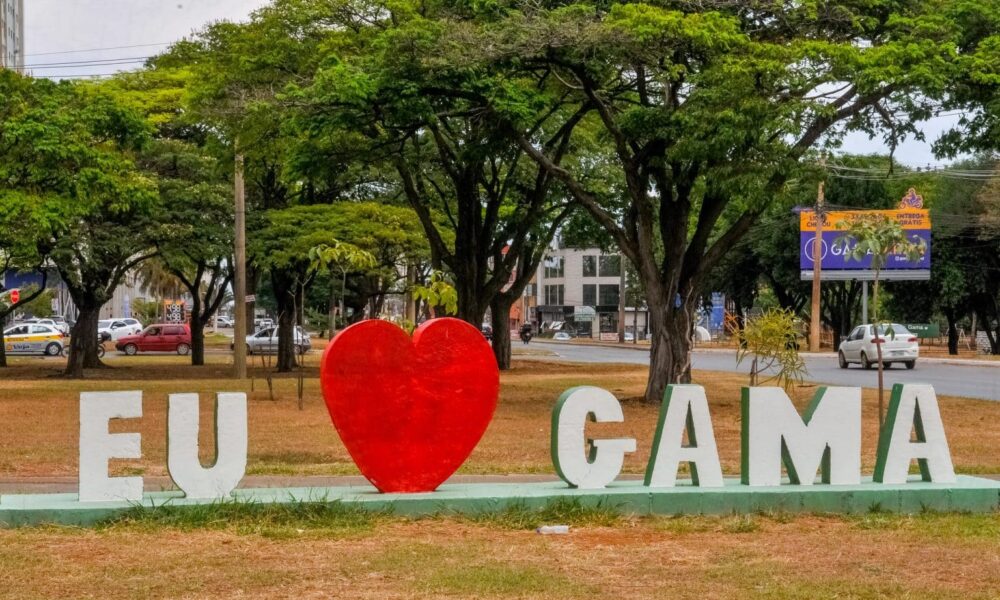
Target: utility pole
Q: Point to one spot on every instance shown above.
(621, 299)
(814, 326)
(240, 277)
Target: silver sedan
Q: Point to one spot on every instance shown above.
(265, 341)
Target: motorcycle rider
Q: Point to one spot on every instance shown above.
(526, 333)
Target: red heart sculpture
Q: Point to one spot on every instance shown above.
(410, 411)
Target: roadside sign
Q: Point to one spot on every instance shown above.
(251, 298)
(15, 296)
(836, 248)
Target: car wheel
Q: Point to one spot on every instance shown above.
(910, 364)
(865, 363)
(53, 349)
(842, 360)
(100, 351)
(131, 349)
(299, 350)
(183, 349)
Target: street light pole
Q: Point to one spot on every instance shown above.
(240, 276)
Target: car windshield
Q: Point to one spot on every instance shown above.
(103, 323)
(892, 329)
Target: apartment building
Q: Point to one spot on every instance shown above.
(12, 34)
(579, 290)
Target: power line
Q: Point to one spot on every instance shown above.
(99, 49)
(86, 63)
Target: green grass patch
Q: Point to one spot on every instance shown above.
(269, 520)
(473, 570)
(499, 579)
(561, 511)
(953, 526)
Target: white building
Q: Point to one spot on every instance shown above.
(579, 289)
(12, 34)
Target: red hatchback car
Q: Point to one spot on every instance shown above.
(165, 337)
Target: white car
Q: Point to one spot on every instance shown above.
(266, 341)
(898, 346)
(33, 338)
(112, 329)
(562, 336)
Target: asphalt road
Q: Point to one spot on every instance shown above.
(951, 379)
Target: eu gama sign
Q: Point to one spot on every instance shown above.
(410, 411)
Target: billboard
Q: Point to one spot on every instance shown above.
(835, 248)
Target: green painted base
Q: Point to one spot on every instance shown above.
(968, 494)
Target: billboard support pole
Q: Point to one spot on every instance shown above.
(814, 327)
(864, 302)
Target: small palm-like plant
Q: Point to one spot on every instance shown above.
(343, 257)
(772, 340)
(879, 237)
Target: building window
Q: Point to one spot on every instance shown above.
(554, 267)
(554, 295)
(608, 295)
(589, 266)
(589, 294)
(611, 266)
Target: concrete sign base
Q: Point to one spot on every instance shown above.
(966, 494)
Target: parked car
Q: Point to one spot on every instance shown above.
(58, 322)
(265, 341)
(33, 338)
(261, 324)
(112, 330)
(61, 323)
(487, 332)
(163, 337)
(562, 336)
(224, 322)
(898, 346)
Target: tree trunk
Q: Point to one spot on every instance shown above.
(332, 310)
(197, 332)
(952, 333)
(284, 294)
(469, 310)
(670, 355)
(500, 320)
(3, 347)
(83, 341)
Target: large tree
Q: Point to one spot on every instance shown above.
(709, 109)
(283, 248)
(195, 239)
(487, 210)
(68, 149)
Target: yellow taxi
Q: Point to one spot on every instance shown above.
(33, 338)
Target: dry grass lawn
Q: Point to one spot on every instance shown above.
(362, 556)
(39, 417)
(874, 556)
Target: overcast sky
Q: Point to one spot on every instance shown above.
(58, 32)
